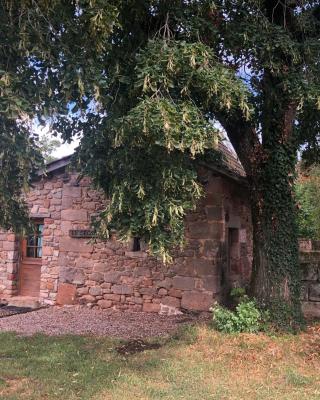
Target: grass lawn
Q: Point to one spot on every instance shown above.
(197, 363)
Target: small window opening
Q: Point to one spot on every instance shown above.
(34, 242)
(136, 244)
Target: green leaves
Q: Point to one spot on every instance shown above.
(183, 70)
(18, 158)
(307, 190)
(162, 122)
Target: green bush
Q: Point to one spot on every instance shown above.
(245, 318)
(307, 192)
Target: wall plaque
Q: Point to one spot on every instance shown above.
(81, 233)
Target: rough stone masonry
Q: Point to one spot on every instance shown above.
(111, 274)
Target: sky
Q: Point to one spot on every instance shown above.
(65, 149)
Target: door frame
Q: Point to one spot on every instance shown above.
(30, 260)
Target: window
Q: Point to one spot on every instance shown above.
(34, 242)
(136, 246)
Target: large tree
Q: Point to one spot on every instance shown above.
(144, 81)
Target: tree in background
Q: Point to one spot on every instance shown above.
(48, 145)
(307, 188)
(147, 79)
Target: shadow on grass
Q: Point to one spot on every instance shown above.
(77, 367)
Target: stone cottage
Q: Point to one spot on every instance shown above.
(60, 263)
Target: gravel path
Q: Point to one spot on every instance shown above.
(80, 320)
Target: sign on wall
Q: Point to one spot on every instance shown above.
(81, 233)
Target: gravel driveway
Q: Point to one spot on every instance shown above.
(80, 320)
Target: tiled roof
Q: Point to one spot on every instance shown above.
(230, 161)
(229, 164)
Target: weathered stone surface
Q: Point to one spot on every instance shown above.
(96, 276)
(122, 289)
(95, 291)
(162, 292)
(112, 277)
(87, 298)
(75, 245)
(106, 270)
(194, 267)
(183, 282)
(167, 310)
(196, 301)
(72, 191)
(314, 292)
(199, 230)
(214, 213)
(66, 294)
(211, 248)
(151, 307)
(211, 283)
(310, 271)
(166, 283)
(171, 301)
(113, 297)
(142, 271)
(74, 215)
(311, 309)
(175, 293)
(104, 303)
(148, 290)
(71, 275)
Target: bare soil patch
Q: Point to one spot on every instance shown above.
(137, 346)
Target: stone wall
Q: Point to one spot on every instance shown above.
(110, 274)
(310, 264)
(9, 261)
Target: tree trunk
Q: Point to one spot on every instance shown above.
(276, 273)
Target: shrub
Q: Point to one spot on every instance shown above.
(307, 191)
(245, 318)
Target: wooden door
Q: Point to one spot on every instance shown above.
(30, 262)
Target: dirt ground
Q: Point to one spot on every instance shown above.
(80, 320)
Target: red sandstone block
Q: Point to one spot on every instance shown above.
(72, 191)
(104, 303)
(87, 298)
(74, 215)
(9, 245)
(95, 291)
(66, 202)
(148, 290)
(122, 289)
(66, 294)
(214, 213)
(112, 297)
(166, 283)
(175, 293)
(183, 282)
(196, 301)
(75, 245)
(151, 307)
(11, 237)
(83, 290)
(162, 292)
(96, 276)
(171, 301)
